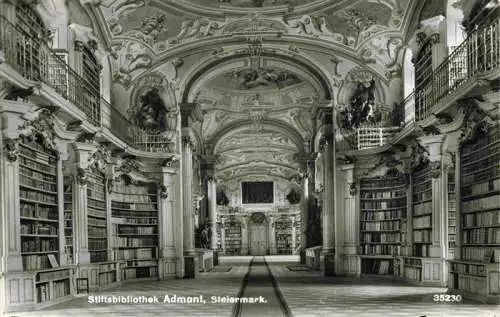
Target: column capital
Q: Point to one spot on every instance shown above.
(187, 141)
(190, 112)
(434, 145)
(169, 163)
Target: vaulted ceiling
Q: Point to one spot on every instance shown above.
(256, 118)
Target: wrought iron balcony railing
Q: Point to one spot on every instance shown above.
(36, 61)
(479, 54)
(134, 136)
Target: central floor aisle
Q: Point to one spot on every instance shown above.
(283, 289)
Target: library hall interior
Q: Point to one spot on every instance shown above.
(250, 158)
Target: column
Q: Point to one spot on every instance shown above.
(212, 213)
(11, 224)
(294, 235)
(304, 214)
(328, 251)
(223, 235)
(272, 236)
(244, 235)
(190, 268)
(83, 152)
(168, 257)
(351, 221)
(439, 207)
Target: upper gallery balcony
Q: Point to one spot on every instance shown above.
(36, 62)
(475, 59)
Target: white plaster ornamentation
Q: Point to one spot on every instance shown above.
(129, 58)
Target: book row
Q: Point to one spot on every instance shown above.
(413, 262)
(483, 176)
(381, 215)
(134, 214)
(379, 267)
(378, 226)
(136, 221)
(381, 182)
(396, 203)
(37, 157)
(37, 245)
(137, 230)
(44, 177)
(422, 208)
(100, 256)
(487, 218)
(129, 254)
(282, 225)
(481, 188)
(35, 148)
(422, 236)
(381, 237)
(424, 186)
(421, 250)
(479, 254)
(481, 236)
(30, 182)
(470, 283)
(485, 161)
(468, 268)
(481, 203)
(287, 231)
(35, 262)
(483, 144)
(35, 211)
(383, 194)
(422, 222)
(127, 199)
(51, 199)
(142, 272)
(135, 242)
(96, 222)
(422, 196)
(97, 232)
(98, 245)
(97, 204)
(393, 250)
(134, 206)
(38, 228)
(91, 212)
(141, 263)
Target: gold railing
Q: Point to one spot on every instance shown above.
(478, 54)
(134, 136)
(36, 61)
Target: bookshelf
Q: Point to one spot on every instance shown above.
(283, 231)
(96, 216)
(38, 204)
(52, 284)
(477, 272)
(107, 274)
(298, 236)
(383, 207)
(232, 238)
(134, 210)
(422, 212)
(68, 220)
(452, 215)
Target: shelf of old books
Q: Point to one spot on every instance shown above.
(478, 270)
(68, 220)
(97, 217)
(422, 212)
(452, 215)
(52, 284)
(383, 207)
(283, 231)
(39, 215)
(232, 238)
(135, 229)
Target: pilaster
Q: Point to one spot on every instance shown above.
(272, 235)
(351, 220)
(168, 254)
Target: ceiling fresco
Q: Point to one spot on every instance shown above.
(256, 117)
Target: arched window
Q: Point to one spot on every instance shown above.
(30, 60)
(91, 73)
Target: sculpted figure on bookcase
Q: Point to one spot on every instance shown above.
(163, 192)
(12, 149)
(81, 176)
(39, 122)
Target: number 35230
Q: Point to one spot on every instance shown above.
(447, 298)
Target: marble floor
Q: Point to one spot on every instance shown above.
(273, 290)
